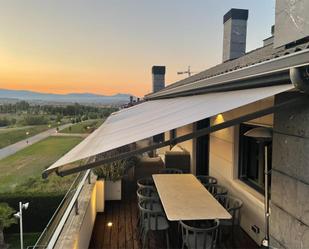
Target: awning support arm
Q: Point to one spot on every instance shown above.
(292, 102)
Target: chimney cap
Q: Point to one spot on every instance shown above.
(239, 14)
(158, 70)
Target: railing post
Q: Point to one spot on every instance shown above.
(89, 178)
(76, 207)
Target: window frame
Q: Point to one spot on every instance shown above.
(242, 167)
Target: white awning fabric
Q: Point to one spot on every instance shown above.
(154, 117)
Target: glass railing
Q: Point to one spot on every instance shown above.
(51, 232)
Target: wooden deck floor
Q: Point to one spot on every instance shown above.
(123, 232)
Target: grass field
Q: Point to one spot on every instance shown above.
(83, 127)
(14, 242)
(12, 135)
(24, 168)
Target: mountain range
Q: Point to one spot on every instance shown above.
(83, 98)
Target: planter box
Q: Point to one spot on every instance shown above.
(112, 190)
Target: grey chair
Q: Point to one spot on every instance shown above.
(170, 171)
(152, 220)
(207, 179)
(147, 193)
(145, 182)
(233, 206)
(216, 189)
(197, 235)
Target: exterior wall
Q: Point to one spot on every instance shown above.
(85, 231)
(289, 220)
(187, 145)
(223, 164)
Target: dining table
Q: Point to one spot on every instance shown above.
(184, 197)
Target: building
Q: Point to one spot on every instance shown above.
(210, 113)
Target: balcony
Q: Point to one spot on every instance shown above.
(117, 226)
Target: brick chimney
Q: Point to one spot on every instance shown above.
(158, 78)
(235, 34)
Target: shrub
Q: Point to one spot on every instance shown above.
(114, 171)
(4, 122)
(35, 218)
(34, 120)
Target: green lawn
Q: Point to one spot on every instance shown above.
(84, 127)
(14, 241)
(22, 171)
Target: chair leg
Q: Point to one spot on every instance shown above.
(144, 239)
(167, 239)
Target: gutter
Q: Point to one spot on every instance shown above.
(267, 73)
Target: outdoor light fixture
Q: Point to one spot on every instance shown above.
(19, 215)
(110, 224)
(262, 135)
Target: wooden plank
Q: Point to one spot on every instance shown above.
(115, 219)
(128, 221)
(134, 210)
(98, 231)
(107, 230)
(185, 198)
(121, 227)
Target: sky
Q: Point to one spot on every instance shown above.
(109, 46)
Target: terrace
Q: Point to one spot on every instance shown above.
(123, 215)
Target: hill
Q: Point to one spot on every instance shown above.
(83, 98)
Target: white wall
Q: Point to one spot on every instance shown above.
(85, 232)
(224, 166)
(187, 145)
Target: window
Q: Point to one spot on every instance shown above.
(251, 159)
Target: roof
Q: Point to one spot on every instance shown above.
(254, 57)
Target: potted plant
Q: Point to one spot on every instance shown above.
(111, 174)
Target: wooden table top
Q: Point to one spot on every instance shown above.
(185, 198)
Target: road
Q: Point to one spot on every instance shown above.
(13, 148)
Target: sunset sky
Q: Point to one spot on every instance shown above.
(109, 46)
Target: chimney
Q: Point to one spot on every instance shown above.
(235, 34)
(158, 78)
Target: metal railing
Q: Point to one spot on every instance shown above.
(50, 234)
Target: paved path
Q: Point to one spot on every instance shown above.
(59, 134)
(13, 148)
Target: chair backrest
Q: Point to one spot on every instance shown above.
(216, 189)
(232, 205)
(145, 182)
(200, 236)
(170, 171)
(207, 179)
(148, 214)
(147, 193)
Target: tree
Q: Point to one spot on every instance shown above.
(6, 220)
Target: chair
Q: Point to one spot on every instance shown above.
(144, 193)
(152, 220)
(170, 171)
(216, 189)
(199, 235)
(233, 206)
(207, 179)
(147, 193)
(145, 182)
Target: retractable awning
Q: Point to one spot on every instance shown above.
(154, 117)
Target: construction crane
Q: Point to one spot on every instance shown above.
(189, 72)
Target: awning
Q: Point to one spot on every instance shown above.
(154, 117)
